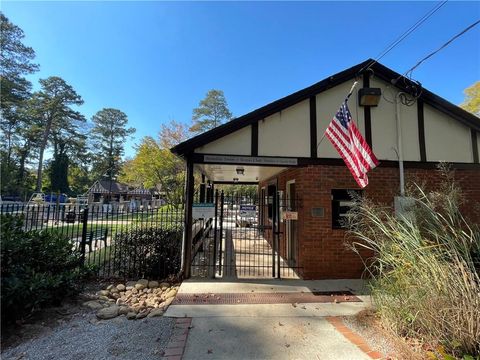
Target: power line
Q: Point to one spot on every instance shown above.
(410, 71)
(404, 35)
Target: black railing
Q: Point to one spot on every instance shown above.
(128, 240)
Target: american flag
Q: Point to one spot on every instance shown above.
(352, 147)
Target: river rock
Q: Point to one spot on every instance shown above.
(108, 312)
(131, 315)
(121, 287)
(168, 302)
(156, 312)
(139, 286)
(153, 284)
(171, 293)
(103, 293)
(109, 287)
(123, 310)
(93, 304)
(142, 314)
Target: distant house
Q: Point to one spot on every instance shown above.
(111, 190)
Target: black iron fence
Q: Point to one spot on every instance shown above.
(115, 240)
(249, 236)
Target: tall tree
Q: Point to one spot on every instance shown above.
(154, 166)
(472, 99)
(16, 61)
(109, 133)
(52, 105)
(211, 112)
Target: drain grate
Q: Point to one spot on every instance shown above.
(264, 298)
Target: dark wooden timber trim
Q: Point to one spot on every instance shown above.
(367, 112)
(421, 131)
(305, 161)
(474, 146)
(254, 151)
(380, 71)
(313, 127)
(187, 244)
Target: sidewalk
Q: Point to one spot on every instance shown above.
(269, 331)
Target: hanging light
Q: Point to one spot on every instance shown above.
(369, 96)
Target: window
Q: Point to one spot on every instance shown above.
(341, 203)
(271, 192)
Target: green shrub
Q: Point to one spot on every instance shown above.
(425, 284)
(38, 268)
(152, 252)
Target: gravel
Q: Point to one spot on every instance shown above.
(370, 335)
(87, 338)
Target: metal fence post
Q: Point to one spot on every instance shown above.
(83, 242)
(215, 237)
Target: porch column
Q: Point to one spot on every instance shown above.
(187, 242)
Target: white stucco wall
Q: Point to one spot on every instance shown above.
(236, 143)
(328, 103)
(286, 133)
(384, 127)
(446, 139)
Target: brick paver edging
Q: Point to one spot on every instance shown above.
(354, 337)
(178, 341)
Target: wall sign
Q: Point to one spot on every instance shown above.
(203, 210)
(290, 215)
(253, 160)
(248, 211)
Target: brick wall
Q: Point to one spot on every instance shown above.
(322, 252)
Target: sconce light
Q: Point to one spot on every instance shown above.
(235, 180)
(240, 170)
(369, 96)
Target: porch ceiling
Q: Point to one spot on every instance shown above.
(251, 173)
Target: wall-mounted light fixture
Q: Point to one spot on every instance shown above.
(235, 180)
(369, 96)
(240, 171)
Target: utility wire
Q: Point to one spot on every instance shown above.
(410, 71)
(403, 36)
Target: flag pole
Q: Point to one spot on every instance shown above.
(399, 143)
(346, 100)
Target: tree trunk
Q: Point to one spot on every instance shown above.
(43, 145)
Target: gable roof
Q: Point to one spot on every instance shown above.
(379, 70)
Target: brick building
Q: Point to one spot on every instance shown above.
(280, 148)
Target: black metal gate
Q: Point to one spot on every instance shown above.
(247, 237)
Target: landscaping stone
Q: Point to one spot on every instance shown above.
(131, 315)
(156, 312)
(139, 286)
(93, 304)
(104, 293)
(108, 312)
(170, 293)
(153, 284)
(142, 314)
(141, 298)
(123, 310)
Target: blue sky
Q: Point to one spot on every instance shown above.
(156, 60)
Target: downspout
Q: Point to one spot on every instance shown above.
(399, 142)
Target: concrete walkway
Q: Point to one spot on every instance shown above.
(269, 331)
